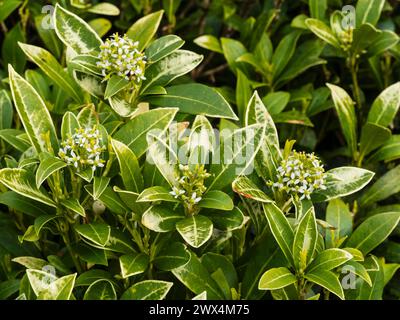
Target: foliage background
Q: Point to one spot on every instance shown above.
(290, 78)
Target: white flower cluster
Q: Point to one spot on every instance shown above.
(83, 149)
(190, 186)
(300, 175)
(120, 56)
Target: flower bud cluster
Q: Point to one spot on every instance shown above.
(300, 175)
(83, 149)
(120, 56)
(190, 186)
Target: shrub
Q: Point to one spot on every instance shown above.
(189, 150)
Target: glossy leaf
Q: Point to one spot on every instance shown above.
(145, 28)
(373, 231)
(147, 290)
(196, 99)
(74, 32)
(33, 113)
(196, 230)
(22, 182)
(161, 219)
(276, 278)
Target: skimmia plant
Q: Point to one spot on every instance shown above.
(174, 150)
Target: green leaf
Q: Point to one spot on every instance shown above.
(172, 256)
(321, 30)
(147, 290)
(343, 181)
(329, 259)
(133, 264)
(15, 139)
(164, 157)
(269, 157)
(8, 288)
(209, 42)
(47, 167)
(276, 278)
(363, 37)
(385, 106)
(374, 292)
(114, 85)
(60, 289)
(161, 219)
(91, 276)
(74, 32)
(248, 140)
(248, 189)
(305, 240)
(195, 98)
(197, 279)
(373, 231)
(243, 93)
(327, 280)
(368, 11)
(386, 40)
(281, 229)
(216, 199)
(344, 106)
(74, 205)
(172, 66)
(389, 270)
(6, 110)
(144, 29)
(7, 7)
(305, 57)
(85, 63)
(90, 83)
(11, 52)
(196, 230)
(99, 186)
(99, 233)
(129, 167)
(163, 47)
(318, 8)
(33, 113)
(31, 262)
(39, 280)
(29, 235)
(372, 137)
(284, 52)
(388, 152)
(276, 101)
(383, 188)
(339, 216)
(105, 8)
(227, 220)
(101, 289)
(69, 125)
(121, 106)
(156, 194)
(101, 26)
(359, 270)
(57, 289)
(48, 35)
(134, 132)
(42, 221)
(22, 182)
(50, 66)
(232, 49)
(293, 117)
(91, 254)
